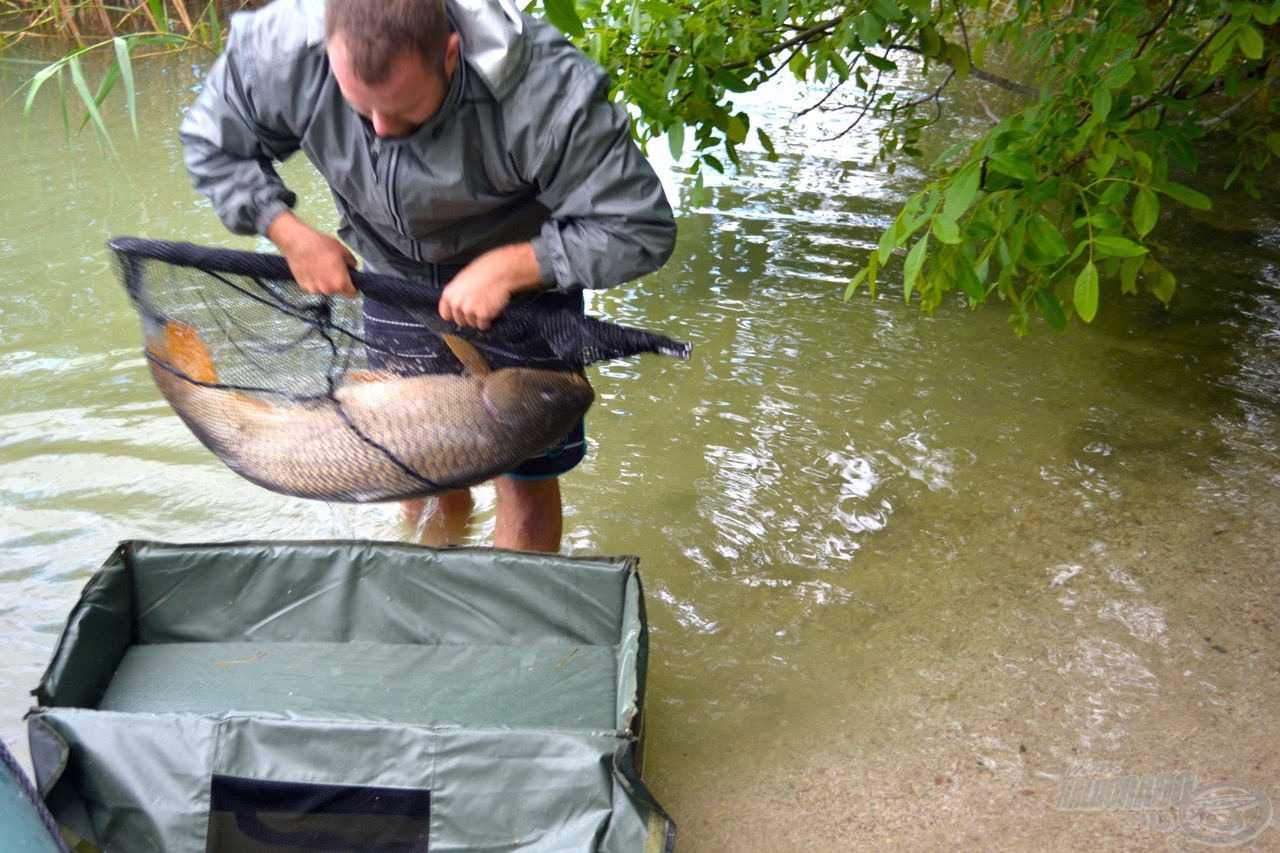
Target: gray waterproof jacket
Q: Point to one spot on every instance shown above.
(525, 147)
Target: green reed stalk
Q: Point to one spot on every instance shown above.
(124, 33)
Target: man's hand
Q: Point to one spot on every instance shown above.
(320, 263)
(484, 287)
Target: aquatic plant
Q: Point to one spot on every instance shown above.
(122, 34)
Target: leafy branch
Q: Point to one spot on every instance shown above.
(1057, 198)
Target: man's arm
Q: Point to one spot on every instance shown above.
(610, 220)
(484, 287)
(231, 136)
(319, 262)
(229, 149)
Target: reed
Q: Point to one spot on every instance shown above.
(78, 23)
(122, 33)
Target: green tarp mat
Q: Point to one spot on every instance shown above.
(335, 695)
(23, 826)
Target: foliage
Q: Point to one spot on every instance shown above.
(122, 34)
(1054, 201)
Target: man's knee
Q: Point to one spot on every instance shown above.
(528, 514)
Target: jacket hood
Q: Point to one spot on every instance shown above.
(492, 34)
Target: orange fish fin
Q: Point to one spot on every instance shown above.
(179, 345)
(365, 376)
(470, 357)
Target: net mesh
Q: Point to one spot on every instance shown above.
(289, 390)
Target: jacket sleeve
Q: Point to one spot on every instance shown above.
(610, 220)
(232, 135)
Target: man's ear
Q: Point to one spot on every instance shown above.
(451, 49)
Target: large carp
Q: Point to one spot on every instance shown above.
(378, 436)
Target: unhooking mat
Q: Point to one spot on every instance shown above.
(25, 825)
(289, 391)
(307, 696)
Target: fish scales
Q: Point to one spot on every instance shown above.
(380, 437)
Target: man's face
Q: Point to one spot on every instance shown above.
(406, 100)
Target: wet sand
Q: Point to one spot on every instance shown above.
(956, 727)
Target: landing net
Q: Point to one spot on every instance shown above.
(285, 387)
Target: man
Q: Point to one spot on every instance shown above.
(466, 145)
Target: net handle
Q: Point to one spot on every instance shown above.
(383, 288)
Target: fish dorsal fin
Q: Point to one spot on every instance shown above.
(470, 357)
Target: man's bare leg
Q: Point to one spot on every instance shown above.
(529, 515)
(440, 520)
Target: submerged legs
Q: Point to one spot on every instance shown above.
(528, 516)
(441, 520)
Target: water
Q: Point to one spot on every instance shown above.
(903, 572)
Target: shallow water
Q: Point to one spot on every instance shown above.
(903, 572)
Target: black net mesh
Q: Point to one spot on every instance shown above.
(291, 390)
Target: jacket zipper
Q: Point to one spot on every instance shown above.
(387, 184)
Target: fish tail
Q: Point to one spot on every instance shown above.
(179, 346)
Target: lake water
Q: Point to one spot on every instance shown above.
(905, 574)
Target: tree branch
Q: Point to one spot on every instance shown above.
(801, 39)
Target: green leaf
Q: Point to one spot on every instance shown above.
(967, 276)
(1107, 160)
(1010, 165)
(914, 263)
(1115, 246)
(731, 81)
(930, 42)
(564, 16)
(890, 239)
(960, 146)
(880, 63)
(888, 10)
(1129, 269)
(962, 192)
(82, 88)
(852, 287)
(736, 127)
(1273, 142)
(1115, 191)
(124, 62)
(1101, 102)
(1119, 75)
(1250, 42)
(698, 194)
(215, 27)
(767, 143)
(1085, 294)
(1184, 195)
(946, 230)
(1051, 309)
(39, 79)
(675, 140)
(1146, 210)
(959, 58)
(1163, 285)
(869, 28)
(1047, 240)
(1223, 53)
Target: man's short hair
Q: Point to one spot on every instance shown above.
(376, 32)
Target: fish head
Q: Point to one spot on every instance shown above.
(534, 397)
